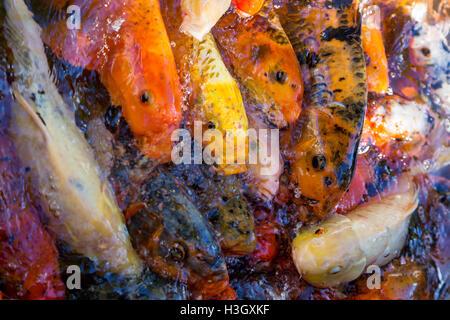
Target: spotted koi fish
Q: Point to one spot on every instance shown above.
(326, 36)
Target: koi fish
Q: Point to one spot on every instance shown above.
(221, 198)
(263, 179)
(212, 94)
(375, 55)
(174, 238)
(148, 207)
(28, 255)
(259, 55)
(416, 39)
(429, 52)
(221, 101)
(376, 176)
(82, 210)
(339, 249)
(131, 51)
(326, 37)
(403, 128)
(270, 79)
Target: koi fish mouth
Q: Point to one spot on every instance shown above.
(212, 286)
(157, 146)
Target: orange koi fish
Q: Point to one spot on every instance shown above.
(126, 42)
(263, 61)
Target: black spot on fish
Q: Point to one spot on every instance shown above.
(319, 162)
(76, 184)
(345, 175)
(309, 201)
(347, 34)
(40, 117)
(338, 4)
(309, 58)
(259, 52)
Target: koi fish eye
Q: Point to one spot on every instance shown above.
(319, 231)
(335, 270)
(178, 251)
(425, 51)
(146, 97)
(281, 77)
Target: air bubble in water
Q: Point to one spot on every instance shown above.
(363, 148)
(426, 164)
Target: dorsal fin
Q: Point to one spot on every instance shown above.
(32, 113)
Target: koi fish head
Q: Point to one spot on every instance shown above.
(150, 98)
(338, 249)
(265, 63)
(322, 162)
(189, 247)
(176, 240)
(273, 73)
(431, 57)
(182, 249)
(318, 185)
